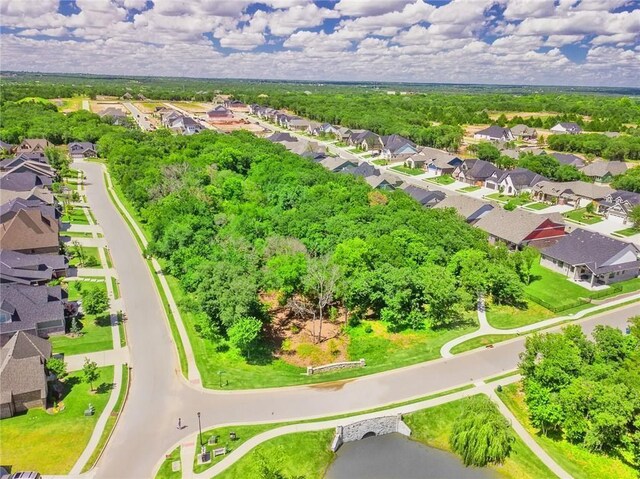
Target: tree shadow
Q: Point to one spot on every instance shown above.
(104, 388)
(103, 320)
(62, 388)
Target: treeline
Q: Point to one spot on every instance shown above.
(42, 120)
(233, 217)
(586, 391)
(618, 148)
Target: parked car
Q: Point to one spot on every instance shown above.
(23, 475)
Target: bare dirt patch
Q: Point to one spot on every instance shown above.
(100, 106)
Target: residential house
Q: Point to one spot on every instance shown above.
(514, 182)
(315, 156)
(524, 132)
(296, 124)
(364, 169)
(325, 129)
(118, 116)
(24, 181)
(396, 147)
(365, 140)
(604, 171)
(30, 231)
(494, 133)
(43, 194)
(337, 164)
(81, 150)
(471, 209)
(37, 310)
(476, 172)
(219, 114)
(31, 268)
(573, 193)
(440, 162)
(567, 128)
(236, 105)
(618, 204)
(186, 125)
(343, 134)
(313, 128)
(569, 159)
(592, 258)
(11, 208)
(21, 165)
(168, 116)
(424, 196)
(23, 374)
(519, 228)
(33, 145)
(6, 148)
(279, 137)
(382, 182)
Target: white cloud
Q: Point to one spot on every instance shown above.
(365, 8)
(521, 9)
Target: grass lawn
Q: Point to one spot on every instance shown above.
(381, 349)
(107, 255)
(578, 462)
(51, 444)
(96, 336)
(468, 189)
(480, 342)
(582, 216)
(74, 288)
(380, 162)
(115, 287)
(72, 104)
(408, 171)
(538, 206)
(76, 217)
(88, 252)
(76, 234)
(111, 421)
(627, 232)
(304, 454)
(165, 471)
(123, 332)
(441, 180)
(517, 200)
(507, 317)
(433, 427)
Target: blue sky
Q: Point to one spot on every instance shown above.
(561, 42)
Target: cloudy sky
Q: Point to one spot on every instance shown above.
(560, 42)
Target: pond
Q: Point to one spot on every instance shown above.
(395, 456)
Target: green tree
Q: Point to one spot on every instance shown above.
(95, 300)
(481, 435)
(244, 333)
(90, 373)
(57, 366)
(634, 216)
(487, 152)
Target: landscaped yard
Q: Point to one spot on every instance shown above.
(517, 200)
(51, 444)
(538, 206)
(581, 215)
(95, 335)
(75, 216)
(76, 234)
(507, 317)
(468, 189)
(578, 462)
(381, 349)
(408, 171)
(90, 254)
(115, 287)
(304, 454)
(441, 180)
(627, 232)
(166, 471)
(75, 288)
(380, 162)
(433, 427)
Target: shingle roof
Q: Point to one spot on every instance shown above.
(28, 229)
(513, 226)
(494, 131)
(589, 248)
(23, 181)
(632, 198)
(395, 142)
(599, 169)
(9, 209)
(465, 205)
(281, 136)
(424, 196)
(568, 159)
(22, 362)
(573, 188)
(334, 164)
(364, 169)
(481, 170)
(81, 146)
(519, 130)
(30, 305)
(28, 268)
(42, 194)
(522, 177)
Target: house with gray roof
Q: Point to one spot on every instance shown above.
(604, 171)
(281, 136)
(618, 205)
(476, 172)
(524, 132)
(37, 310)
(494, 133)
(425, 197)
(10, 209)
(513, 182)
(43, 194)
(6, 147)
(337, 164)
(591, 258)
(33, 144)
(396, 147)
(519, 228)
(574, 193)
(31, 268)
(364, 169)
(366, 140)
(566, 128)
(24, 181)
(438, 162)
(82, 149)
(569, 159)
(21, 164)
(381, 182)
(471, 209)
(23, 374)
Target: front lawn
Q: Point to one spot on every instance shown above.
(166, 469)
(578, 462)
(75, 216)
(468, 189)
(627, 232)
(481, 341)
(52, 443)
(441, 180)
(508, 317)
(433, 427)
(581, 215)
(538, 206)
(84, 256)
(380, 162)
(95, 335)
(76, 234)
(370, 340)
(515, 200)
(408, 171)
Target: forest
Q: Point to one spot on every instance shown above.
(586, 390)
(616, 149)
(235, 217)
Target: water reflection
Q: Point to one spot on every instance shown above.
(393, 456)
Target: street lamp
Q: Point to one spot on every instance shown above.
(200, 429)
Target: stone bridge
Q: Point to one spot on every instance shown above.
(376, 426)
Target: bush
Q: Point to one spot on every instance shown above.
(95, 300)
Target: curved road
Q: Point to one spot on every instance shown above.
(159, 395)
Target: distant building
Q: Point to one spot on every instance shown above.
(604, 171)
(568, 128)
(494, 133)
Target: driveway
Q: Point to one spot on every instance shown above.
(159, 394)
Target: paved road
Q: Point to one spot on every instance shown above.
(138, 116)
(158, 394)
